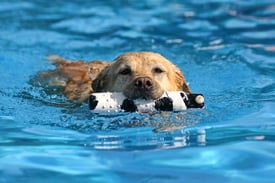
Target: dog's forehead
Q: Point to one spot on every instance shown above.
(141, 59)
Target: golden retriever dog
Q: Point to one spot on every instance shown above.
(136, 74)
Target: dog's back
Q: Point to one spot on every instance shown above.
(73, 77)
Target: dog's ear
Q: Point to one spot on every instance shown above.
(185, 87)
(181, 82)
(100, 82)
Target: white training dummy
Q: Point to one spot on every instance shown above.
(169, 101)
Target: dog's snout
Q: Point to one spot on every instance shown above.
(143, 83)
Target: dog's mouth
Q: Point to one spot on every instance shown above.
(143, 87)
(141, 94)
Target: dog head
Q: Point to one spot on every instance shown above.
(140, 75)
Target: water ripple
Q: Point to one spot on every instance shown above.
(226, 51)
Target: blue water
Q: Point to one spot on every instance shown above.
(226, 50)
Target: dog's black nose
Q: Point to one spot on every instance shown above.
(145, 83)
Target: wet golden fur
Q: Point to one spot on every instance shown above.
(136, 74)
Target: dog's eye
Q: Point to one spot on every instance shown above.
(125, 71)
(158, 70)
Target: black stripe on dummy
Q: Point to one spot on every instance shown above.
(164, 104)
(129, 105)
(92, 102)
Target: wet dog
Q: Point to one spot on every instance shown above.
(136, 74)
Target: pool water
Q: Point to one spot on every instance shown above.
(226, 50)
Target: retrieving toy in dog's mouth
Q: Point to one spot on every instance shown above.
(169, 101)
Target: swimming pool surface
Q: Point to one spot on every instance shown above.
(226, 50)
